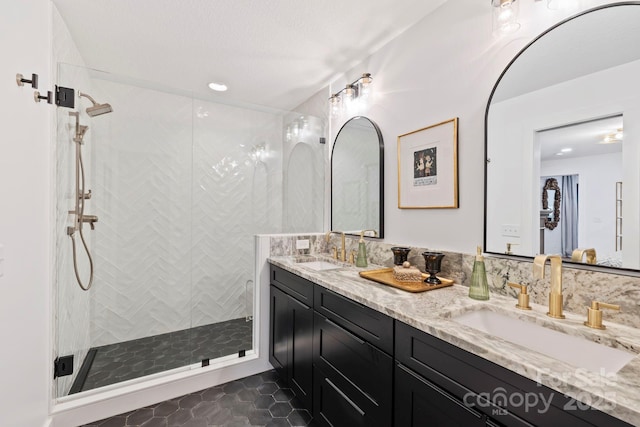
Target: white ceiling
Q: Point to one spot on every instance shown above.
(584, 139)
(274, 53)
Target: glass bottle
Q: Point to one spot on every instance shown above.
(479, 288)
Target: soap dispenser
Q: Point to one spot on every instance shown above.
(361, 260)
(479, 288)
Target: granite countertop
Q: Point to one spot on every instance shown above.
(616, 394)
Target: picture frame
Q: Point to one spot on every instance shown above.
(428, 167)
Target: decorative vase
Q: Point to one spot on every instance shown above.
(432, 261)
(400, 254)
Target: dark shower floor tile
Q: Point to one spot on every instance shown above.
(238, 403)
(145, 356)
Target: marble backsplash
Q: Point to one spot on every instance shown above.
(580, 287)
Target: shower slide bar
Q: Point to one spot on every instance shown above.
(79, 217)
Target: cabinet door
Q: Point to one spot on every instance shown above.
(300, 374)
(419, 403)
(290, 343)
(280, 331)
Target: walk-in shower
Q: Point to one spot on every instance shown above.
(180, 186)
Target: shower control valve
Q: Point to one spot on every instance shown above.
(91, 219)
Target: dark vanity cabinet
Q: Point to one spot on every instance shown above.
(448, 386)
(353, 363)
(353, 366)
(291, 331)
(332, 348)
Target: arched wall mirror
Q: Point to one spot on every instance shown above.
(357, 174)
(567, 108)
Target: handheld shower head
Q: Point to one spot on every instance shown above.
(96, 109)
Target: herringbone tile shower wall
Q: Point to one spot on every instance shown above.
(173, 188)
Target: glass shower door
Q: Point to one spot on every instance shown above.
(138, 168)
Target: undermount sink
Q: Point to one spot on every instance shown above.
(314, 263)
(320, 265)
(576, 351)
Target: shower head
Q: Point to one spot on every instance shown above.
(96, 109)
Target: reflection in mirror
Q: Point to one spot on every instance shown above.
(357, 174)
(304, 189)
(567, 109)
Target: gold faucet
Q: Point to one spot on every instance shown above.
(343, 251)
(555, 295)
(578, 254)
(523, 296)
(594, 314)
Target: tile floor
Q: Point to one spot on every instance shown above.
(259, 400)
(136, 358)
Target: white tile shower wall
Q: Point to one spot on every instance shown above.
(304, 188)
(142, 161)
(305, 166)
(72, 331)
(180, 193)
(236, 194)
(304, 173)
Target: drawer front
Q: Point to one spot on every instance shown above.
(368, 324)
(458, 371)
(419, 402)
(335, 404)
(362, 372)
(296, 286)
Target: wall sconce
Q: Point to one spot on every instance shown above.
(297, 129)
(359, 90)
(505, 16)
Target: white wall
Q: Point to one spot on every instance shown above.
(443, 67)
(25, 216)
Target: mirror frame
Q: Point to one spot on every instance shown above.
(601, 268)
(381, 171)
(551, 184)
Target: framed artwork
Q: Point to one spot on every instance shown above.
(428, 167)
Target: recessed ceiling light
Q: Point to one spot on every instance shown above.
(566, 150)
(559, 154)
(218, 87)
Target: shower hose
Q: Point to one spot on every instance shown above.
(80, 221)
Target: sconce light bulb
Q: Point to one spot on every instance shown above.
(505, 16)
(349, 92)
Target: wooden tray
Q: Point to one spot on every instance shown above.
(385, 276)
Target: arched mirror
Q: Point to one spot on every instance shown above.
(567, 110)
(357, 174)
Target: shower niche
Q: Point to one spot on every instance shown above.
(170, 178)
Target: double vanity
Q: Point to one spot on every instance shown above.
(359, 353)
